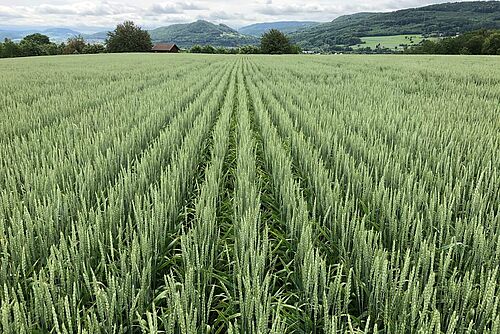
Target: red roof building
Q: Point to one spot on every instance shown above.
(165, 47)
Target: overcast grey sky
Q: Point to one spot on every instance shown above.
(154, 13)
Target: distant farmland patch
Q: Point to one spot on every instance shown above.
(396, 42)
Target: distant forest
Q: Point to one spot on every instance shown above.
(480, 42)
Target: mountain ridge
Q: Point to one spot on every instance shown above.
(55, 34)
(445, 19)
(257, 29)
(201, 32)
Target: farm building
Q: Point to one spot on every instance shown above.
(165, 47)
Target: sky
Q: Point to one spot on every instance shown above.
(91, 15)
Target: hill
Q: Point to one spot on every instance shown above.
(285, 26)
(442, 19)
(201, 32)
(96, 37)
(55, 34)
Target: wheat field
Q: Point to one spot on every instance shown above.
(250, 194)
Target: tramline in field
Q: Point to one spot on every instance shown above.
(250, 194)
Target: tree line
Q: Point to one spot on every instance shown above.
(127, 37)
(272, 42)
(479, 42)
(40, 45)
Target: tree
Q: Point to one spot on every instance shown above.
(75, 45)
(33, 45)
(127, 37)
(37, 39)
(491, 45)
(10, 49)
(29, 48)
(94, 48)
(249, 49)
(275, 42)
(464, 51)
(295, 49)
(475, 44)
(221, 50)
(196, 49)
(208, 49)
(51, 49)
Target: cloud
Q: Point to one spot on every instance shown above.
(191, 6)
(329, 10)
(86, 9)
(10, 13)
(282, 10)
(221, 15)
(165, 9)
(155, 21)
(172, 8)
